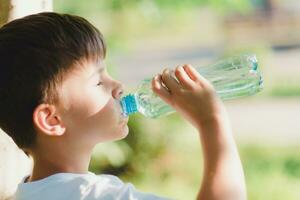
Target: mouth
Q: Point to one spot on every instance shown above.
(120, 110)
(126, 119)
(123, 122)
(123, 118)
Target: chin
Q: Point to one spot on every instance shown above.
(124, 132)
(120, 134)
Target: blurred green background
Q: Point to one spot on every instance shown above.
(163, 156)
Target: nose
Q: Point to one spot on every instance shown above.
(117, 90)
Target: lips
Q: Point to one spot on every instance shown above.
(125, 120)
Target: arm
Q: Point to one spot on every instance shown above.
(194, 98)
(223, 176)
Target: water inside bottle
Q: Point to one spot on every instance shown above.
(233, 77)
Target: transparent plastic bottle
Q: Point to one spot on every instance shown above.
(232, 77)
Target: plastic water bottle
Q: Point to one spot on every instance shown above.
(232, 77)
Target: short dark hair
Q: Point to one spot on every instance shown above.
(35, 54)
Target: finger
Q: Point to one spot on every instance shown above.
(183, 78)
(160, 90)
(195, 76)
(169, 81)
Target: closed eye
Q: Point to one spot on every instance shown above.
(99, 83)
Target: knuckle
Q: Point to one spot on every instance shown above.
(178, 68)
(156, 91)
(181, 91)
(195, 89)
(165, 74)
(164, 78)
(166, 71)
(210, 88)
(156, 87)
(189, 65)
(198, 82)
(178, 71)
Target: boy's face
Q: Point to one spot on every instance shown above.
(89, 105)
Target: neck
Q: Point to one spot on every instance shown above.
(49, 161)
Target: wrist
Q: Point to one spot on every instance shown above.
(213, 121)
(216, 134)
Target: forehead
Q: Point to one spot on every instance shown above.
(85, 69)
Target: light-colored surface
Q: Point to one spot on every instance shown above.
(269, 121)
(21, 8)
(14, 165)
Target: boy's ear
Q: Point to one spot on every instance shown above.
(47, 120)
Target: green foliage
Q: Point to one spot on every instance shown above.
(272, 172)
(77, 6)
(285, 90)
(164, 156)
(132, 154)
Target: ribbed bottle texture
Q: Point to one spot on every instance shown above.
(232, 77)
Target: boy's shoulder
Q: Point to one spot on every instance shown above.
(78, 186)
(66, 186)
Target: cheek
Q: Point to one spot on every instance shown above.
(97, 118)
(95, 103)
(108, 115)
(108, 124)
(87, 103)
(94, 117)
(82, 107)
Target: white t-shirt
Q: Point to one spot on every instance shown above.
(69, 186)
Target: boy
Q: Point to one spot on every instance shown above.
(57, 102)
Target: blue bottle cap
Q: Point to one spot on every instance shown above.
(129, 104)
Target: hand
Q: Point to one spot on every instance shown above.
(191, 94)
